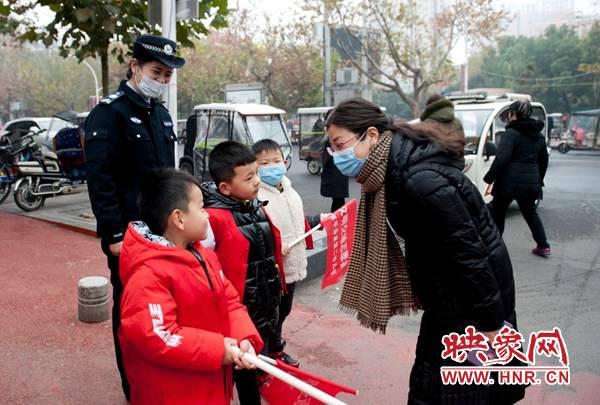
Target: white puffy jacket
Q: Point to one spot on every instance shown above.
(286, 211)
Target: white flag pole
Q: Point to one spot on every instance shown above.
(306, 235)
(291, 380)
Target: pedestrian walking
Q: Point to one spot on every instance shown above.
(518, 172)
(456, 267)
(128, 134)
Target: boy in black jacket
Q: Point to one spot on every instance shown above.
(247, 245)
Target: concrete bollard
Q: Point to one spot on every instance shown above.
(93, 299)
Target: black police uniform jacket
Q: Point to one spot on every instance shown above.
(248, 246)
(125, 137)
(521, 161)
(458, 263)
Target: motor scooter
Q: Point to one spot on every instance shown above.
(51, 173)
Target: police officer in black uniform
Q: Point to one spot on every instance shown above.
(128, 134)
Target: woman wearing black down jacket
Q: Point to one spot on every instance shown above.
(518, 172)
(456, 268)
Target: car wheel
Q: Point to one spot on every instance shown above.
(313, 167)
(187, 167)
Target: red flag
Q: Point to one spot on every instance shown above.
(340, 234)
(276, 392)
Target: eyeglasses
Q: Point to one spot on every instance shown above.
(339, 147)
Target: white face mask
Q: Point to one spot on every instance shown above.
(151, 88)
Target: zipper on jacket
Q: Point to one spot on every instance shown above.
(203, 264)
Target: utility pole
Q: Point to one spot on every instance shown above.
(168, 23)
(364, 79)
(464, 69)
(327, 54)
(96, 88)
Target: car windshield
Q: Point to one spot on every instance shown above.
(473, 122)
(312, 124)
(55, 125)
(266, 127)
(44, 124)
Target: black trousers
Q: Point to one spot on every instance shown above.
(285, 307)
(499, 206)
(337, 203)
(115, 280)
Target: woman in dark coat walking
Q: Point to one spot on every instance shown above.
(456, 268)
(518, 172)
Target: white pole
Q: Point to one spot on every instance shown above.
(327, 56)
(291, 380)
(96, 88)
(466, 70)
(168, 22)
(306, 235)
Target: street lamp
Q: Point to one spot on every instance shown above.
(96, 88)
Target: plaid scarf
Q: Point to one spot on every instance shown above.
(377, 285)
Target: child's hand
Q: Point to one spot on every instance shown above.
(115, 248)
(245, 347)
(230, 353)
(324, 217)
(285, 249)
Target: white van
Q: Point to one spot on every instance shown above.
(480, 116)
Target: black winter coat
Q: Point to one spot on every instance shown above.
(262, 293)
(333, 183)
(521, 161)
(459, 266)
(125, 137)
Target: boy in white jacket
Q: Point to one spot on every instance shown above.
(286, 211)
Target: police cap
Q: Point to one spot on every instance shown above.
(157, 48)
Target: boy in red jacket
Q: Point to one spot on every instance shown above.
(180, 317)
(247, 245)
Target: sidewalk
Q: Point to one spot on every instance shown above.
(49, 357)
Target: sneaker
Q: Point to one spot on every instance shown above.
(543, 252)
(286, 358)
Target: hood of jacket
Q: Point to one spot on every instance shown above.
(214, 199)
(528, 126)
(141, 245)
(440, 111)
(408, 152)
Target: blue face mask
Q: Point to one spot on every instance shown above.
(272, 174)
(347, 162)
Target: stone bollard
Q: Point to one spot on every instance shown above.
(93, 300)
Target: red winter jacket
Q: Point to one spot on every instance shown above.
(174, 317)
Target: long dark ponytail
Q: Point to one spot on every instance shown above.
(358, 114)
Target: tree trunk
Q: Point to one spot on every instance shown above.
(415, 105)
(104, 65)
